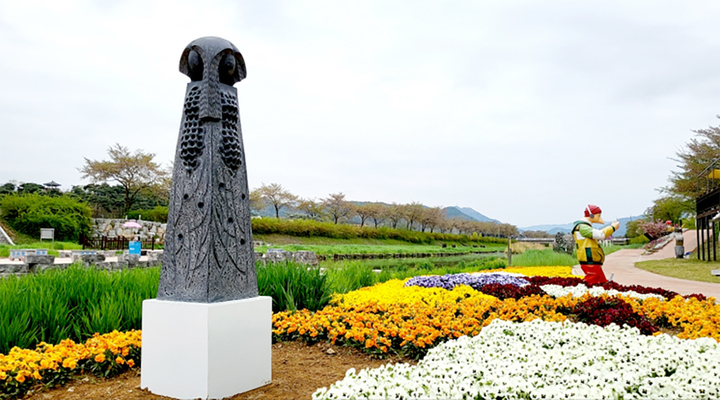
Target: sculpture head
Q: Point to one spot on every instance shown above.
(593, 213)
(213, 58)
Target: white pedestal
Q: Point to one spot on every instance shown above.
(206, 350)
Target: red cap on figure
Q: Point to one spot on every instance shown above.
(591, 209)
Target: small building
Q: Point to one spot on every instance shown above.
(707, 210)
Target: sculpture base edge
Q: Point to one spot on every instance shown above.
(206, 350)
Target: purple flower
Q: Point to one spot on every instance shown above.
(449, 281)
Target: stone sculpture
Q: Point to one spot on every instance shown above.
(208, 254)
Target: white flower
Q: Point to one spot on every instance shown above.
(547, 360)
(580, 289)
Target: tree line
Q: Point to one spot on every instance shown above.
(337, 209)
(130, 183)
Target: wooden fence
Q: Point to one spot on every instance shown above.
(113, 243)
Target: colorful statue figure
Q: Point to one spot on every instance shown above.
(589, 253)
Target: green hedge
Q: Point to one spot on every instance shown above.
(310, 228)
(157, 214)
(27, 214)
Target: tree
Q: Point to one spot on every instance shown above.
(29, 188)
(364, 211)
(106, 201)
(536, 234)
(311, 208)
(671, 208)
(654, 230)
(412, 213)
(277, 196)
(378, 212)
(256, 202)
(134, 171)
(7, 188)
(29, 213)
(431, 218)
(700, 152)
(634, 228)
(337, 207)
(395, 214)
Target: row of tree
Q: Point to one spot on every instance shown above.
(336, 208)
(142, 184)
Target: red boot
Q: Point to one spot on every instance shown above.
(593, 274)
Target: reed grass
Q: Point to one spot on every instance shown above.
(72, 304)
(293, 286)
(547, 257)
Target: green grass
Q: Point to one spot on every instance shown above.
(690, 269)
(278, 240)
(73, 303)
(293, 286)
(542, 258)
(52, 247)
(331, 249)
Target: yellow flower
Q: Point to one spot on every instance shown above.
(100, 358)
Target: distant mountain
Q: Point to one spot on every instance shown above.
(467, 213)
(566, 228)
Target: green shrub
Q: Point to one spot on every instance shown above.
(157, 214)
(642, 239)
(293, 286)
(310, 228)
(29, 213)
(72, 304)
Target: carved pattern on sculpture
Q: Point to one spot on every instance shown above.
(231, 150)
(192, 136)
(208, 252)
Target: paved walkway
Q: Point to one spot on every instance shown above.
(622, 264)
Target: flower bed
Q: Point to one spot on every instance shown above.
(53, 365)
(409, 320)
(547, 360)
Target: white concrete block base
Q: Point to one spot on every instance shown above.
(206, 350)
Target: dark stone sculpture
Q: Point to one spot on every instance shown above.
(208, 253)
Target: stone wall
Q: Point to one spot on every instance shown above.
(114, 228)
(300, 256)
(107, 260)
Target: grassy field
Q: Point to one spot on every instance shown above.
(691, 269)
(545, 257)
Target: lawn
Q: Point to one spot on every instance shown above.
(682, 268)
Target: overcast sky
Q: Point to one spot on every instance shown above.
(525, 111)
